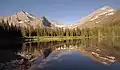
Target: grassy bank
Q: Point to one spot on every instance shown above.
(57, 38)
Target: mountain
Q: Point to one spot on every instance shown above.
(103, 15)
(54, 22)
(57, 24)
(25, 19)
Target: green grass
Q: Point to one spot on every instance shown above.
(58, 38)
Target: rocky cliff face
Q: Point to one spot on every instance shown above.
(103, 15)
(24, 19)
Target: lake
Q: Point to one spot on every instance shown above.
(83, 54)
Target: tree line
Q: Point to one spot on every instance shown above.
(113, 29)
(11, 31)
(7, 31)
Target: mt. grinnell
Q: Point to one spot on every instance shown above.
(101, 16)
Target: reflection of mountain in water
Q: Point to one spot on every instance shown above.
(101, 51)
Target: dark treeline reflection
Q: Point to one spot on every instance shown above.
(9, 51)
(102, 47)
(30, 50)
(37, 48)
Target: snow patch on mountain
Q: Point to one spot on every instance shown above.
(97, 22)
(107, 11)
(29, 15)
(103, 13)
(105, 8)
(60, 26)
(111, 10)
(21, 21)
(110, 13)
(94, 18)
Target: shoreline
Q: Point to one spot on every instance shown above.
(58, 38)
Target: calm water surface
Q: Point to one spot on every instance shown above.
(85, 54)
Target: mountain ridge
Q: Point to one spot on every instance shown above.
(25, 19)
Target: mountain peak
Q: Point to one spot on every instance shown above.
(106, 7)
(42, 17)
(21, 11)
(21, 15)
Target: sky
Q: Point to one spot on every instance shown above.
(67, 11)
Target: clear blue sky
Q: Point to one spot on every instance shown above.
(60, 10)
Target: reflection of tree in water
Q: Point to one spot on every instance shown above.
(36, 49)
(8, 51)
(30, 50)
(10, 60)
(105, 48)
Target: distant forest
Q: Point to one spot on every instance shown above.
(10, 31)
(7, 31)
